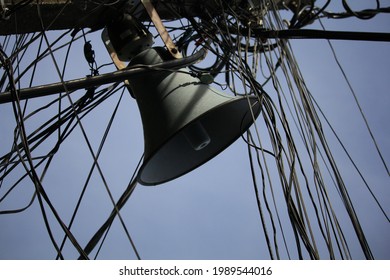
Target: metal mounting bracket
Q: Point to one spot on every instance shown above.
(161, 29)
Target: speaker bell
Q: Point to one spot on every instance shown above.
(185, 122)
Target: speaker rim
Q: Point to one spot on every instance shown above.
(256, 113)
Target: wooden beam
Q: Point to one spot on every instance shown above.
(54, 15)
(69, 14)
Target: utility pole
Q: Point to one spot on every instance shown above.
(30, 16)
(26, 16)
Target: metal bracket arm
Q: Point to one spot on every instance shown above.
(161, 29)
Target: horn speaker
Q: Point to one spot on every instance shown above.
(185, 122)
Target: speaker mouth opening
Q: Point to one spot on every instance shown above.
(181, 154)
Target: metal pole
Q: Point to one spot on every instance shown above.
(89, 82)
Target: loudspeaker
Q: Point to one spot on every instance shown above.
(185, 122)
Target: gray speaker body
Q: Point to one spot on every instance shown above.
(185, 122)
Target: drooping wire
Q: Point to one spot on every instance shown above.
(239, 45)
(128, 192)
(86, 184)
(29, 167)
(352, 91)
(118, 206)
(316, 122)
(42, 133)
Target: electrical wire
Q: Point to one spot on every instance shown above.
(246, 44)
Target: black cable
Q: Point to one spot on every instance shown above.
(322, 34)
(351, 160)
(53, 211)
(42, 136)
(39, 57)
(302, 16)
(90, 172)
(257, 196)
(119, 75)
(292, 210)
(312, 16)
(118, 206)
(31, 171)
(363, 13)
(360, 15)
